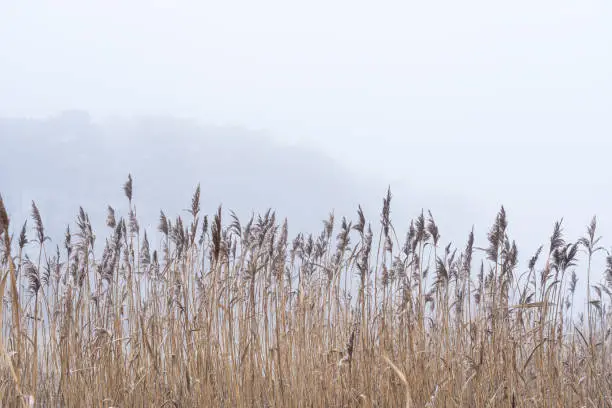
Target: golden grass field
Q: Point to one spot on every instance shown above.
(236, 313)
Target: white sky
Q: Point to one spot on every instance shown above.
(495, 102)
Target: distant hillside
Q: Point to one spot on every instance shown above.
(68, 161)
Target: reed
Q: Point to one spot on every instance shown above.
(240, 314)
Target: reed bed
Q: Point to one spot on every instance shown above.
(225, 312)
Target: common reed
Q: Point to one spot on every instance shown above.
(230, 313)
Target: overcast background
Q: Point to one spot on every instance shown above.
(464, 104)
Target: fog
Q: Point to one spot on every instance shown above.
(68, 161)
(467, 105)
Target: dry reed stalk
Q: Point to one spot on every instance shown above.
(241, 315)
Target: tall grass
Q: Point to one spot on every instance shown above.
(227, 313)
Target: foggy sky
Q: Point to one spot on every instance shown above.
(495, 102)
